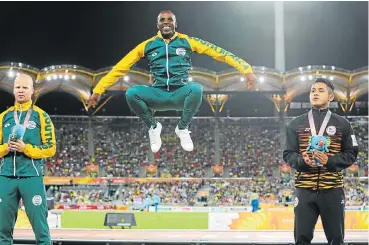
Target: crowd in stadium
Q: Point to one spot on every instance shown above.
(171, 193)
(225, 192)
(173, 161)
(360, 127)
(72, 155)
(248, 148)
(65, 195)
(219, 192)
(356, 192)
(120, 150)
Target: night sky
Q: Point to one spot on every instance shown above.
(98, 34)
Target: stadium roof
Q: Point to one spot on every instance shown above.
(79, 81)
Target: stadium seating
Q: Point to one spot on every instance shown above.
(248, 148)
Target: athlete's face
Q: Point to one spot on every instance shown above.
(23, 88)
(167, 24)
(320, 95)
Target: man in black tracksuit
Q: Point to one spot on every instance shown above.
(319, 188)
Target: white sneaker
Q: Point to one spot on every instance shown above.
(155, 140)
(185, 138)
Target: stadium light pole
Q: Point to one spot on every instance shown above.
(280, 63)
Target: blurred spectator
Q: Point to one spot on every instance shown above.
(71, 156)
(173, 161)
(249, 147)
(170, 193)
(220, 192)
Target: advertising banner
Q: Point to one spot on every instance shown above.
(276, 220)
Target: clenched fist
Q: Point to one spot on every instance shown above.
(94, 99)
(250, 81)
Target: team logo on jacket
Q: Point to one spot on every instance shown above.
(331, 130)
(181, 51)
(7, 125)
(31, 125)
(154, 54)
(37, 200)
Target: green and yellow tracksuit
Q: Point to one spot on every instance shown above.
(21, 174)
(170, 63)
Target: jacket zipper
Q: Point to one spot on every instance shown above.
(317, 184)
(2, 163)
(35, 167)
(15, 153)
(166, 49)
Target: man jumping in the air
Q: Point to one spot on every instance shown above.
(169, 55)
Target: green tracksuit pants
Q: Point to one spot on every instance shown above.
(32, 192)
(143, 100)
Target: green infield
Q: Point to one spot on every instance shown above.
(144, 220)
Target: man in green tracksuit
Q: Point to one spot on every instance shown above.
(21, 163)
(169, 55)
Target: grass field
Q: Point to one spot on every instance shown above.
(144, 220)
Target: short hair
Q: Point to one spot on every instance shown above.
(168, 11)
(326, 82)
